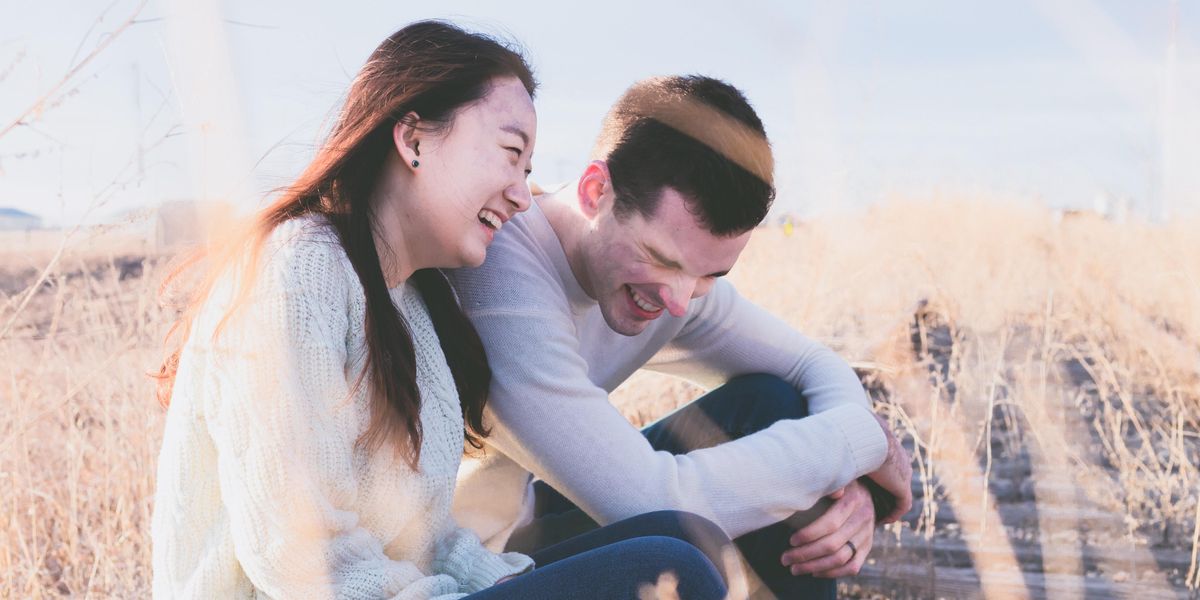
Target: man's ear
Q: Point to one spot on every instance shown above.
(406, 137)
(595, 189)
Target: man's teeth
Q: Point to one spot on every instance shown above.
(642, 303)
(490, 219)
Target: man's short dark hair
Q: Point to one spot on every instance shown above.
(697, 135)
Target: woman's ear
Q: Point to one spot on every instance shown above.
(406, 136)
(595, 189)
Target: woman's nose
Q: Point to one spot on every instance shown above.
(519, 196)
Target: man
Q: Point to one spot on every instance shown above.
(622, 271)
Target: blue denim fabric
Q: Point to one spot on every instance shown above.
(615, 561)
(742, 406)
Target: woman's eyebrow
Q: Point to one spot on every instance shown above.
(514, 129)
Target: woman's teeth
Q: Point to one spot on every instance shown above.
(642, 303)
(490, 219)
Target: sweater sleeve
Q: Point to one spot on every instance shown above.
(284, 426)
(476, 568)
(727, 335)
(551, 419)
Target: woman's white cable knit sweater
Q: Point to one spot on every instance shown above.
(261, 489)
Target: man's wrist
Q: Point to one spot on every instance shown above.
(891, 439)
(883, 501)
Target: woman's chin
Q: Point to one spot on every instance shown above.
(474, 259)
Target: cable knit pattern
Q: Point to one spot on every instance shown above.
(261, 489)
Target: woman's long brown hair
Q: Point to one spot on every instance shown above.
(430, 68)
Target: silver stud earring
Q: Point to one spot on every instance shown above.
(415, 163)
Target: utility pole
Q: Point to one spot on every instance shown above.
(1169, 188)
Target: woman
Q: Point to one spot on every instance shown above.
(326, 379)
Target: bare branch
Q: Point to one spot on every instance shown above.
(12, 65)
(83, 40)
(99, 200)
(41, 101)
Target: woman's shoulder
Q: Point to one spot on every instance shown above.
(299, 268)
(305, 250)
(304, 256)
(310, 233)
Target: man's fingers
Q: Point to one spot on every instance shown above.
(832, 552)
(849, 569)
(852, 566)
(896, 479)
(825, 547)
(904, 499)
(817, 550)
(831, 521)
(833, 560)
(895, 475)
(903, 505)
(859, 524)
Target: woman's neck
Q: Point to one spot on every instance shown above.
(397, 238)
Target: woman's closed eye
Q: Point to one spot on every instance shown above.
(517, 152)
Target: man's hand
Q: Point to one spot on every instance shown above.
(821, 547)
(895, 475)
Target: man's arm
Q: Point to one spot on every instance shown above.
(727, 335)
(548, 417)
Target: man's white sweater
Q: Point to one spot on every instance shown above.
(261, 489)
(555, 360)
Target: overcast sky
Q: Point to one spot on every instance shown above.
(1058, 100)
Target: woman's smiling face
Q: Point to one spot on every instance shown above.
(472, 177)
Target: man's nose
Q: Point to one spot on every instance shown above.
(677, 296)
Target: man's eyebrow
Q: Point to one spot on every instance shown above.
(516, 130)
(666, 262)
(658, 256)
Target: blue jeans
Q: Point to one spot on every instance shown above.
(742, 406)
(614, 561)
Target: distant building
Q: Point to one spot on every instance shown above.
(173, 225)
(180, 223)
(1107, 206)
(12, 219)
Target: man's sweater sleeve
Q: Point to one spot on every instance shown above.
(727, 335)
(547, 416)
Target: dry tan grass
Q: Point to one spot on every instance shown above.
(1074, 346)
(1021, 298)
(81, 430)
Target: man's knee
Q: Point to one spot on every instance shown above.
(687, 527)
(771, 395)
(690, 565)
(682, 525)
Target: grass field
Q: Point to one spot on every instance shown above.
(1046, 375)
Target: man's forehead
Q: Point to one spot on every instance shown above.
(678, 235)
(676, 210)
(673, 209)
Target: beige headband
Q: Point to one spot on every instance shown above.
(728, 136)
